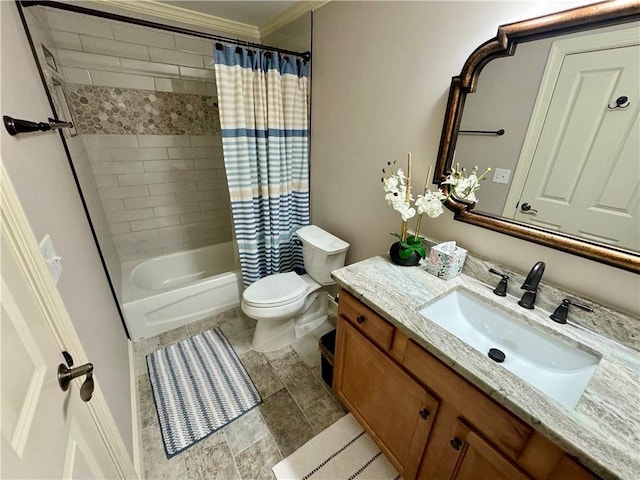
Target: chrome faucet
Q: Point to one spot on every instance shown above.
(530, 286)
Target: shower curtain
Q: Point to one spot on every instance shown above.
(262, 98)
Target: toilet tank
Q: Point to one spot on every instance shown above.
(322, 253)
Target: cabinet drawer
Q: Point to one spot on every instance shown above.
(366, 320)
(507, 432)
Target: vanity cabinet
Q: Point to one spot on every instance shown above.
(431, 423)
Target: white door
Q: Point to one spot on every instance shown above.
(584, 179)
(46, 433)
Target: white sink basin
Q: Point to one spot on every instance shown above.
(559, 370)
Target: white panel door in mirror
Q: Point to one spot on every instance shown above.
(585, 176)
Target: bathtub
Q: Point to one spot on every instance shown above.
(169, 291)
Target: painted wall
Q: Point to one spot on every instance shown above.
(381, 77)
(40, 172)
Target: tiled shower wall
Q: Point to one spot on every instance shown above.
(144, 103)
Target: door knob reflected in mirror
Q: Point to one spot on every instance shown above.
(526, 208)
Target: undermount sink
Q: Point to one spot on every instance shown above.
(558, 369)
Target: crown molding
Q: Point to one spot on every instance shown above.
(190, 17)
(289, 15)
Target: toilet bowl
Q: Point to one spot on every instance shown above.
(288, 306)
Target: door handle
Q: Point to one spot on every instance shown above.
(66, 374)
(526, 208)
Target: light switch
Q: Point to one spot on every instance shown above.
(51, 258)
(501, 175)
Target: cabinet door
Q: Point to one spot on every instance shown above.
(479, 460)
(395, 410)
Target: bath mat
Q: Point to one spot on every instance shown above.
(342, 451)
(199, 386)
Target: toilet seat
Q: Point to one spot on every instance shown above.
(275, 290)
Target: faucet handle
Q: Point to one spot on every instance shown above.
(501, 288)
(560, 313)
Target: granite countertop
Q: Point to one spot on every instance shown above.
(603, 430)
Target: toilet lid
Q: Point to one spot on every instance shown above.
(275, 290)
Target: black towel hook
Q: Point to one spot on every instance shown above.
(620, 101)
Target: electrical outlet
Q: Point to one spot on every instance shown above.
(51, 258)
(501, 175)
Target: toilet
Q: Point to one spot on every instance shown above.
(288, 306)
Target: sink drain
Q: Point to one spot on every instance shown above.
(496, 355)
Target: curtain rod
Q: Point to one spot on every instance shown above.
(306, 56)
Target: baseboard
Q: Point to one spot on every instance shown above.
(135, 413)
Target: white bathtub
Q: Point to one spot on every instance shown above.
(169, 291)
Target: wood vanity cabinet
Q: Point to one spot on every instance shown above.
(431, 423)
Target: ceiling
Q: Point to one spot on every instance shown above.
(256, 13)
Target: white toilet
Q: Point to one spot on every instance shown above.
(287, 306)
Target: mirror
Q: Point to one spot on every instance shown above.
(553, 130)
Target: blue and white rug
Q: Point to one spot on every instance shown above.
(343, 451)
(199, 385)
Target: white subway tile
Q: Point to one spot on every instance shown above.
(176, 58)
(130, 215)
(109, 141)
(78, 23)
(188, 197)
(144, 178)
(100, 155)
(144, 36)
(106, 181)
(70, 41)
(112, 205)
(127, 154)
(148, 68)
(209, 62)
(155, 223)
(135, 236)
(221, 173)
(178, 229)
(176, 209)
(167, 165)
(212, 91)
(151, 201)
(210, 163)
(195, 45)
(220, 204)
(117, 228)
(198, 216)
(180, 86)
(127, 193)
(115, 168)
(190, 72)
(163, 140)
(205, 140)
(163, 241)
(79, 76)
(114, 47)
(121, 80)
(126, 248)
(165, 188)
(72, 58)
(193, 152)
(213, 184)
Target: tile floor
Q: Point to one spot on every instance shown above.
(296, 405)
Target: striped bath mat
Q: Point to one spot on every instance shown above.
(342, 451)
(199, 385)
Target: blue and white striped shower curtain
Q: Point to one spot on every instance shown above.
(262, 97)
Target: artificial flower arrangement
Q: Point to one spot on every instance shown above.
(397, 187)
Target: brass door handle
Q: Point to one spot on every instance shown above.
(66, 374)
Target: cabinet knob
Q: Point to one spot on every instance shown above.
(424, 413)
(455, 443)
(360, 319)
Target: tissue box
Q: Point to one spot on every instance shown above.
(444, 261)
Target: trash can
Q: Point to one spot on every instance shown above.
(327, 349)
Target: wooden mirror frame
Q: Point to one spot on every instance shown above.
(504, 44)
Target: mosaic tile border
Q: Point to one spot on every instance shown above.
(110, 111)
